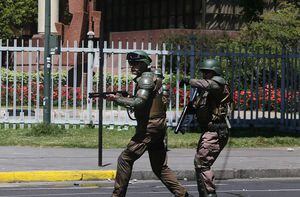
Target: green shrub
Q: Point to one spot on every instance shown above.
(8, 75)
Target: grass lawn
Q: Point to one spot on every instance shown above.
(88, 138)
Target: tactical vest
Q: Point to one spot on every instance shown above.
(158, 108)
(154, 107)
(213, 106)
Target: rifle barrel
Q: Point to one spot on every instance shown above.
(103, 94)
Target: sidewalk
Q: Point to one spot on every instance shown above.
(58, 164)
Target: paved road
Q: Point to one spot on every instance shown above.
(229, 188)
(15, 158)
(232, 163)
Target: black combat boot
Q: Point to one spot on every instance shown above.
(201, 188)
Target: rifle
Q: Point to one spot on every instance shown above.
(186, 110)
(104, 94)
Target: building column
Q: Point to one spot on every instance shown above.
(54, 15)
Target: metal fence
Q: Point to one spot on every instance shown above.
(265, 83)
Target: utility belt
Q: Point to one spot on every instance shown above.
(216, 127)
(153, 115)
(217, 116)
(157, 115)
(220, 128)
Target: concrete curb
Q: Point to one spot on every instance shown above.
(92, 175)
(51, 176)
(226, 174)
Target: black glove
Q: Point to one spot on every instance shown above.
(185, 81)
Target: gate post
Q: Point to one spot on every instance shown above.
(47, 66)
(282, 88)
(192, 62)
(90, 65)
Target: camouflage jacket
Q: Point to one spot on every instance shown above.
(213, 100)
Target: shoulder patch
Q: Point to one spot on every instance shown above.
(219, 80)
(146, 81)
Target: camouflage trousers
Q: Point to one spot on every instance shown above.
(212, 141)
(152, 141)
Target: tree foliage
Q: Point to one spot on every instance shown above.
(15, 15)
(278, 28)
(186, 42)
(252, 9)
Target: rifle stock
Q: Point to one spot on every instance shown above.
(180, 120)
(184, 113)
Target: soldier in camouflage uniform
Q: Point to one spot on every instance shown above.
(150, 112)
(212, 108)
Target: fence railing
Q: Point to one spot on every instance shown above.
(265, 83)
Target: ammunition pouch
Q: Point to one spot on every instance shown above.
(220, 113)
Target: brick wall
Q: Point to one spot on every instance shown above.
(156, 36)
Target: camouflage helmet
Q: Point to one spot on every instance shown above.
(213, 65)
(139, 56)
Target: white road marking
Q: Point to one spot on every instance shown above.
(260, 190)
(158, 192)
(190, 185)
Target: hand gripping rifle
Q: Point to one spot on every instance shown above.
(104, 94)
(188, 109)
